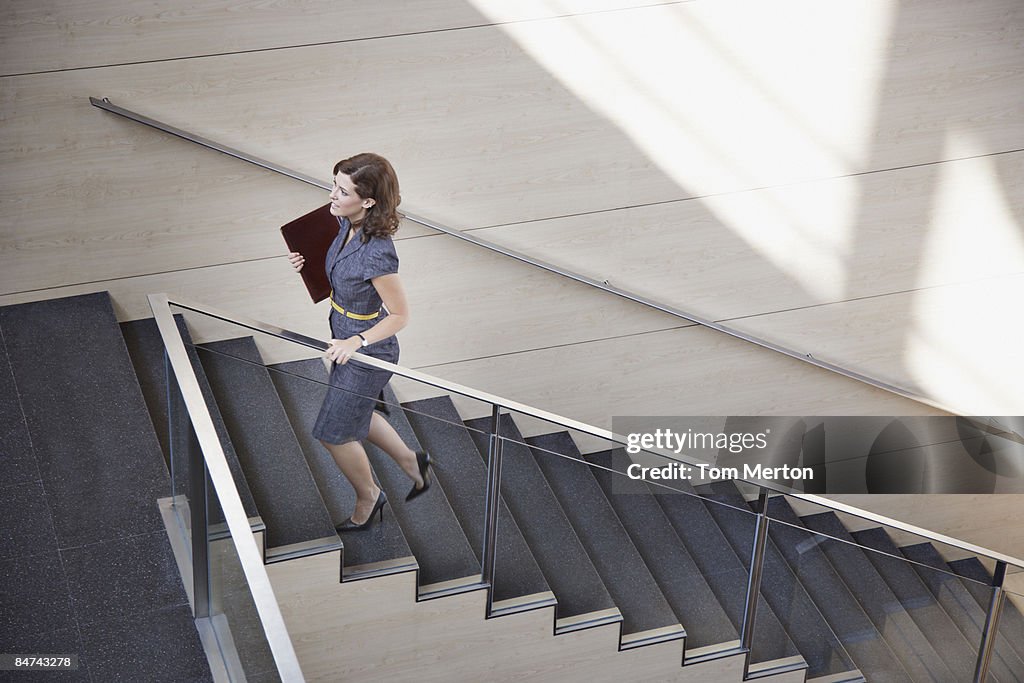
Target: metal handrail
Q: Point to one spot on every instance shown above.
(230, 502)
(576, 425)
(604, 285)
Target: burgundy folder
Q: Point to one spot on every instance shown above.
(311, 235)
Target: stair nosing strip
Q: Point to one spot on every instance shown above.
(779, 666)
(714, 651)
(652, 636)
(579, 622)
(315, 546)
(523, 603)
(383, 568)
(854, 676)
(443, 589)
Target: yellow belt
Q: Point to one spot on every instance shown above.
(350, 314)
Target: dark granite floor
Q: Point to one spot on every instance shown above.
(86, 562)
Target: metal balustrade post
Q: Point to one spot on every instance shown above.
(209, 474)
(169, 395)
(199, 528)
(494, 448)
(754, 578)
(988, 635)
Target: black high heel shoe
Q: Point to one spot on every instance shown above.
(349, 525)
(424, 463)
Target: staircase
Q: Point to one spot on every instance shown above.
(597, 575)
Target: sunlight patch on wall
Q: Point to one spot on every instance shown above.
(963, 345)
(727, 96)
(973, 231)
(803, 233)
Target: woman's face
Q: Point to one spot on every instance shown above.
(346, 202)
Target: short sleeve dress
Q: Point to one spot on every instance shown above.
(354, 387)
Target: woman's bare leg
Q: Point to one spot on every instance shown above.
(353, 463)
(383, 436)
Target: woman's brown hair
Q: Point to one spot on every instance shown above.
(374, 178)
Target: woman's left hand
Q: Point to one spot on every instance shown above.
(341, 350)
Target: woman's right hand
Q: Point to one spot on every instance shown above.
(297, 260)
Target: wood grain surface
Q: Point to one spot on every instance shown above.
(374, 630)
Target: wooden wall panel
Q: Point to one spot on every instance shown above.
(102, 32)
(466, 304)
(116, 175)
(373, 630)
(915, 292)
(480, 131)
(90, 196)
(956, 344)
(749, 253)
(584, 375)
(484, 134)
(689, 371)
(720, 105)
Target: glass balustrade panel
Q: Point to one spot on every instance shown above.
(924, 600)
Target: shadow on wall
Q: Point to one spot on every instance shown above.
(966, 220)
(871, 157)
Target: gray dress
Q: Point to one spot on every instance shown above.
(354, 388)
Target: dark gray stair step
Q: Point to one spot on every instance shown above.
(562, 558)
(147, 352)
(723, 569)
(922, 660)
(1011, 621)
(429, 523)
(622, 568)
(796, 610)
(954, 596)
(86, 418)
(464, 477)
(379, 549)
(679, 577)
(274, 466)
(872, 654)
(960, 650)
